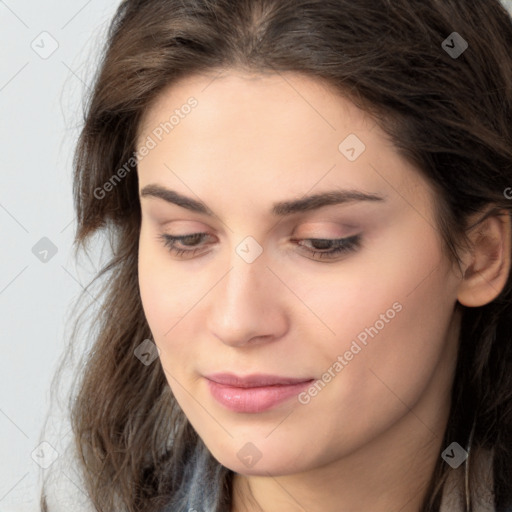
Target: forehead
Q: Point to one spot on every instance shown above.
(266, 133)
(271, 102)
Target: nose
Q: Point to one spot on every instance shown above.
(247, 305)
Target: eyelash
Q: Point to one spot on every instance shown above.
(341, 245)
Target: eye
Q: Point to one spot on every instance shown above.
(189, 240)
(323, 248)
(333, 247)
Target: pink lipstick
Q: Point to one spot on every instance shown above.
(254, 393)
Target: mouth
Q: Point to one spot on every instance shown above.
(254, 393)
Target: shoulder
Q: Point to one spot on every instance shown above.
(205, 486)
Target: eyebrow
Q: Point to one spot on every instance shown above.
(281, 209)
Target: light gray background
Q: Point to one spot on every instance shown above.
(40, 111)
(40, 106)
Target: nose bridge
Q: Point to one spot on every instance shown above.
(242, 305)
(244, 282)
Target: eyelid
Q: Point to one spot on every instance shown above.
(340, 246)
(323, 225)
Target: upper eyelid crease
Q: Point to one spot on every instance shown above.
(279, 209)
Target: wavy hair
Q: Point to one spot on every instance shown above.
(450, 117)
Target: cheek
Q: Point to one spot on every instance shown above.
(159, 288)
(368, 289)
(151, 284)
(169, 297)
(396, 306)
(400, 317)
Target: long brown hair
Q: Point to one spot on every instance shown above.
(450, 116)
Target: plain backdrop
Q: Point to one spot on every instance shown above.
(48, 56)
(47, 60)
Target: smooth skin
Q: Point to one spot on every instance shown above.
(370, 438)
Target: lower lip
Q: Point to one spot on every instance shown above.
(253, 400)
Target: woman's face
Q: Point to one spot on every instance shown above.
(284, 354)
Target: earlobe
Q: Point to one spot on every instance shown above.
(487, 263)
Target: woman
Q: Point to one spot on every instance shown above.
(309, 300)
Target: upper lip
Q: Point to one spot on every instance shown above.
(254, 380)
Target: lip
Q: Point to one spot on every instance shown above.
(254, 393)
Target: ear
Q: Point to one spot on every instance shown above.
(487, 260)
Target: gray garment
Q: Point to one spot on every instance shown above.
(205, 477)
(204, 488)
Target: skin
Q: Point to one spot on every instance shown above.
(370, 438)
